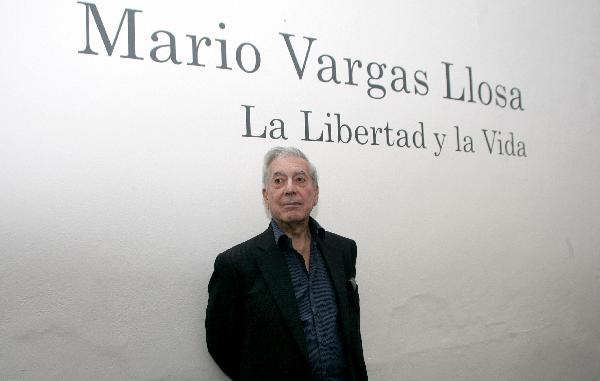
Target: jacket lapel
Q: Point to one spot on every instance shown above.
(273, 267)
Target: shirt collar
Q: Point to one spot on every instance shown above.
(313, 225)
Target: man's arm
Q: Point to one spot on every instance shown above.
(361, 370)
(222, 316)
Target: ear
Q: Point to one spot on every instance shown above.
(265, 196)
(316, 196)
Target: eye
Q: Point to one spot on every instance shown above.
(301, 179)
(277, 180)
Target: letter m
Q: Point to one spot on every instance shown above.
(110, 46)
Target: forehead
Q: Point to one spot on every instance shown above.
(288, 165)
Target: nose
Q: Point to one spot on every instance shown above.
(290, 188)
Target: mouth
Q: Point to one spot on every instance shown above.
(292, 204)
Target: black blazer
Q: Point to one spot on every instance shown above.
(253, 330)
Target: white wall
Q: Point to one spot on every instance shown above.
(122, 179)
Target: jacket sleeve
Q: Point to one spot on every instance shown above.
(360, 367)
(223, 316)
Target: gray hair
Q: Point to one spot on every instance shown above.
(277, 152)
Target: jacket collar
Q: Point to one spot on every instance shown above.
(315, 230)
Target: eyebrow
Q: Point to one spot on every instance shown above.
(279, 173)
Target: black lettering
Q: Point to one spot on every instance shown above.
(401, 78)
(489, 142)
(171, 45)
(238, 57)
(307, 129)
(299, 70)
(375, 86)
(108, 45)
(448, 85)
(331, 68)
(249, 127)
(339, 128)
(360, 132)
(422, 82)
(488, 91)
(351, 64)
(515, 103)
(501, 95)
(223, 44)
(195, 47)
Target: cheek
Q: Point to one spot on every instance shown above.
(312, 198)
(274, 199)
(315, 198)
(271, 194)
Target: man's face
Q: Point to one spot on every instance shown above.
(290, 192)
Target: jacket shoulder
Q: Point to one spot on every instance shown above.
(242, 252)
(339, 238)
(346, 247)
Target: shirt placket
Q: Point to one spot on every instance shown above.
(317, 323)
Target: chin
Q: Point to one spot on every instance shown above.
(293, 217)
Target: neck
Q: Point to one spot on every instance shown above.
(295, 230)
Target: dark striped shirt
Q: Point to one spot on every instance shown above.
(317, 306)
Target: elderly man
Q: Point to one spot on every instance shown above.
(284, 305)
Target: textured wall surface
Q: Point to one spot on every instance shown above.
(122, 179)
